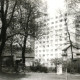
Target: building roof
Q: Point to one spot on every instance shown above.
(27, 55)
(66, 47)
(18, 53)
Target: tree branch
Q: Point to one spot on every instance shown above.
(12, 13)
(7, 5)
(14, 35)
(2, 10)
(20, 44)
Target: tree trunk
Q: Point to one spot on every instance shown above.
(71, 51)
(70, 43)
(23, 50)
(3, 40)
(11, 46)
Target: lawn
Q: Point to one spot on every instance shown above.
(51, 76)
(39, 76)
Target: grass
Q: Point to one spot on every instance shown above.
(39, 76)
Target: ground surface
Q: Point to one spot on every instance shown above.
(38, 76)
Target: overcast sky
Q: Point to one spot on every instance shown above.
(55, 5)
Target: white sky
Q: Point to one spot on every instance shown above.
(55, 5)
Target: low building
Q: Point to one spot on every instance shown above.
(17, 55)
(67, 53)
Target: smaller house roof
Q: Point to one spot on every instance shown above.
(65, 47)
(27, 55)
(18, 54)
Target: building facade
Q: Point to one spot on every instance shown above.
(49, 45)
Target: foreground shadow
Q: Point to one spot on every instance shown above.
(13, 76)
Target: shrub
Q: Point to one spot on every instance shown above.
(72, 66)
(39, 68)
(52, 69)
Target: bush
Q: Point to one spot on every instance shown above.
(73, 66)
(52, 69)
(39, 68)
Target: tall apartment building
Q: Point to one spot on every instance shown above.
(49, 45)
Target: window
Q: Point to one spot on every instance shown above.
(56, 17)
(65, 33)
(39, 50)
(43, 54)
(55, 26)
(51, 40)
(43, 50)
(39, 59)
(60, 44)
(47, 50)
(60, 15)
(39, 55)
(47, 32)
(44, 24)
(47, 36)
(48, 19)
(60, 25)
(36, 47)
(65, 19)
(56, 39)
(66, 14)
(43, 41)
(56, 44)
(36, 51)
(52, 27)
(66, 38)
(52, 22)
(77, 25)
(51, 64)
(56, 21)
(47, 45)
(51, 49)
(44, 46)
(36, 55)
(47, 59)
(65, 24)
(56, 30)
(43, 37)
(51, 31)
(47, 23)
(60, 39)
(47, 41)
(51, 36)
(60, 29)
(56, 34)
(65, 43)
(61, 20)
(47, 28)
(40, 41)
(44, 20)
(55, 49)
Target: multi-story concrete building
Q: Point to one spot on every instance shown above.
(49, 45)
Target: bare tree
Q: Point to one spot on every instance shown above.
(7, 9)
(73, 10)
(29, 12)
